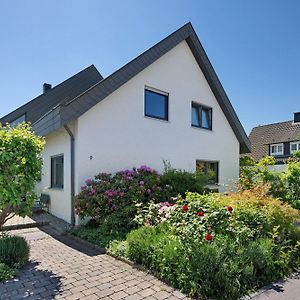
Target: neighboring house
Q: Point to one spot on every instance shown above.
(279, 140)
(166, 104)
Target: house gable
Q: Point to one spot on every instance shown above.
(78, 106)
(115, 133)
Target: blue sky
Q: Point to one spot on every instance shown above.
(254, 46)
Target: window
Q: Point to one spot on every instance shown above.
(295, 146)
(18, 120)
(276, 149)
(57, 171)
(210, 169)
(201, 116)
(156, 105)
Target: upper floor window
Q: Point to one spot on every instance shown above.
(276, 149)
(57, 171)
(201, 116)
(156, 104)
(295, 146)
(18, 120)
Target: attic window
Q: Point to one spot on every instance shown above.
(276, 149)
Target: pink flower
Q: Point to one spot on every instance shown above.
(88, 181)
(121, 194)
(92, 192)
(142, 182)
(83, 187)
(149, 191)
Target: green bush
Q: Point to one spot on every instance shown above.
(118, 248)
(284, 185)
(14, 251)
(6, 272)
(216, 246)
(219, 269)
(182, 181)
(100, 235)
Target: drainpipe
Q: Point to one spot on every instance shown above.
(72, 146)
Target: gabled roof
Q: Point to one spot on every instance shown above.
(70, 110)
(59, 94)
(262, 136)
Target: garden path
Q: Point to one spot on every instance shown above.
(63, 268)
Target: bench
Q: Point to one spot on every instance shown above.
(42, 203)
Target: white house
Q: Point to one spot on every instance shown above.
(166, 104)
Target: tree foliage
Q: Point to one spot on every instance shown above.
(20, 169)
(284, 185)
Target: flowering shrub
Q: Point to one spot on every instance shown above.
(215, 246)
(108, 195)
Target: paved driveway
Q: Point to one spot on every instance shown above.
(288, 289)
(63, 269)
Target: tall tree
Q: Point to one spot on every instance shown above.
(20, 169)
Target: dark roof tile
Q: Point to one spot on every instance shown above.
(59, 94)
(262, 136)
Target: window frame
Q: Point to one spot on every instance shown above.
(294, 143)
(200, 107)
(206, 168)
(52, 173)
(166, 104)
(277, 152)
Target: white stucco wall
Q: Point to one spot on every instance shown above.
(57, 143)
(117, 135)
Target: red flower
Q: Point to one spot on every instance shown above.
(200, 214)
(185, 208)
(208, 237)
(230, 209)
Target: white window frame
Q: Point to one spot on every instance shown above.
(294, 143)
(277, 152)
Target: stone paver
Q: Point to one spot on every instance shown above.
(61, 268)
(288, 289)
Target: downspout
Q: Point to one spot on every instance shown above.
(72, 153)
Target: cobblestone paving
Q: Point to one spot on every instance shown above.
(61, 268)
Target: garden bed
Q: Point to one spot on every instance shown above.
(207, 245)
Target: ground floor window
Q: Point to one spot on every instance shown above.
(57, 171)
(210, 169)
